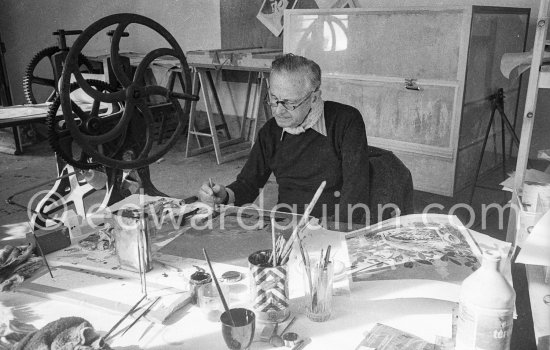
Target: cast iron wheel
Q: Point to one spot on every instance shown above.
(60, 138)
(135, 94)
(47, 80)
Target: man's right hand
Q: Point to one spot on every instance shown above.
(212, 195)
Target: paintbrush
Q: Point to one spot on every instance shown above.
(211, 183)
(42, 253)
(144, 268)
(140, 265)
(256, 209)
(320, 269)
(303, 221)
(226, 307)
(141, 315)
(327, 257)
(307, 269)
(106, 336)
(479, 251)
(274, 243)
(216, 207)
(366, 268)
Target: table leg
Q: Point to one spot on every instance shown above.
(191, 129)
(17, 141)
(261, 89)
(206, 80)
(218, 104)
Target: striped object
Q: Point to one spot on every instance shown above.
(270, 288)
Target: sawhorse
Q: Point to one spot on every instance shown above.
(202, 77)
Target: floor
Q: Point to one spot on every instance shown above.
(180, 177)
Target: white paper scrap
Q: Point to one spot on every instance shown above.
(531, 175)
(536, 248)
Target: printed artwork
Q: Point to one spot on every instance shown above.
(271, 14)
(433, 247)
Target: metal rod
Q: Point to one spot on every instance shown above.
(10, 200)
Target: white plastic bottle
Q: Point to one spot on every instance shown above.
(486, 309)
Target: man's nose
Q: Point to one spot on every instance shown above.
(280, 109)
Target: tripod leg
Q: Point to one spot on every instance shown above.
(510, 127)
(482, 151)
(503, 138)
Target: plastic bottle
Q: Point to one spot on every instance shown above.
(486, 308)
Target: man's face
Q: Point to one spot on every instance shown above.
(292, 88)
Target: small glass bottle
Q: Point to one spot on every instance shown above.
(486, 308)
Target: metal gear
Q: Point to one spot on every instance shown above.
(137, 119)
(48, 79)
(61, 140)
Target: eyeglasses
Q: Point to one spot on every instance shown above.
(288, 105)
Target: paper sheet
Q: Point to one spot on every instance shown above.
(271, 14)
(531, 175)
(536, 248)
(23, 111)
(544, 154)
(425, 266)
(519, 60)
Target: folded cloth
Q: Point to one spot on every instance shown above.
(16, 264)
(67, 333)
(11, 256)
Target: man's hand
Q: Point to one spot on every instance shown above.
(212, 195)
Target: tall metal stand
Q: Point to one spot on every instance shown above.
(497, 104)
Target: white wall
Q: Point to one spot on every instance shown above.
(26, 26)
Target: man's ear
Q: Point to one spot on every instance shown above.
(316, 96)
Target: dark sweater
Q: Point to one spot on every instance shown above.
(301, 162)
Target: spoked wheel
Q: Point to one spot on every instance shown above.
(100, 117)
(39, 81)
(136, 122)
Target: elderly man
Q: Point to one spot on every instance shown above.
(308, 141)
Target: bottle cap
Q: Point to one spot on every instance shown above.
(290, 339)
(200, 277)
(231, 276)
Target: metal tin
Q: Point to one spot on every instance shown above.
(290, 339)
(269, 288)
(132, 240)
(197, 279)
